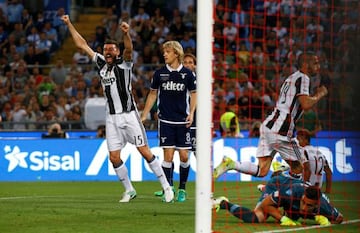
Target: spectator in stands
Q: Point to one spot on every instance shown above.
(100, 132)
(229, 121)
(43, 48)
(109, 19)
(14, 11)
(188, 42)
(178, 28)
(240, 19)
(141, 15)
(189, 19)
(17, 33)
(76, 117)
(59, 25)
(255, 129)
(40, 21)
(34, 36)
(257, 105)
(52, 35)
(114, 32)
(58, 73)
(80, 57)
(18, 116)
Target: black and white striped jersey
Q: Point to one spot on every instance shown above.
(288, 109)
(116, 83)
(317, 162)
(174, 87)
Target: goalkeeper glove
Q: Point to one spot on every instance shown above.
(285, 221)
(322, 220)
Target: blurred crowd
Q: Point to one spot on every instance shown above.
(256, 44)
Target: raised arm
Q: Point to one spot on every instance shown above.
(80, 42)
(128, 45)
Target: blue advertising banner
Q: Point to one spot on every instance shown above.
(87, 159)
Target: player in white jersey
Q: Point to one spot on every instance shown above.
(276, 131)
(122, 118)
(317, 161)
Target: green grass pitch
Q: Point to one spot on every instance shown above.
(79, 207)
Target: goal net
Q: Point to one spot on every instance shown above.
(255, 47)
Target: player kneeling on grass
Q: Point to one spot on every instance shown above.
(297, 201)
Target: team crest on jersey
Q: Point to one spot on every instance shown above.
(183, 75)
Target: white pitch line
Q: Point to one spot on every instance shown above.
(309, 227)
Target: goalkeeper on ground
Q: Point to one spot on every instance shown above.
(298, 201)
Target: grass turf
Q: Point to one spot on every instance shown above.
(36, 207)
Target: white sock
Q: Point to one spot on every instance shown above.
(159, 172)
(247, 168)
(185, 164)
(122, 174)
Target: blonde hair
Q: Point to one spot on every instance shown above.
(177, 48)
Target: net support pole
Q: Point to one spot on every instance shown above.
(204, 116)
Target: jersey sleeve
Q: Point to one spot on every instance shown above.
(305, 85)
(192, 82)
(99, 60)
(155, 82)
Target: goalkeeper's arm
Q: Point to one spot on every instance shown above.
(269, 207)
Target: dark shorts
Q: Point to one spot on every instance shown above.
(174, 135)
(193, 138)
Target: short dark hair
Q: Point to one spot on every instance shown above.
(304, 57)
(313, 193)
(304, 133)
(110, 41)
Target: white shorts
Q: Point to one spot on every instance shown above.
(124, 127)
(271, 142)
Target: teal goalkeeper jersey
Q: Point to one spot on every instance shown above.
(289, 198)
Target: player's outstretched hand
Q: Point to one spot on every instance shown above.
(65, 19)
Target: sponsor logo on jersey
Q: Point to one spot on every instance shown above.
(108, 81)
(173, 86)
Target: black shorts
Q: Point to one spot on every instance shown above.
(193, 138)
(174, 135)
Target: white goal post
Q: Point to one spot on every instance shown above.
(204, 57)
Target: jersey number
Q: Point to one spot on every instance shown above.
(319, 165)
(283, 92)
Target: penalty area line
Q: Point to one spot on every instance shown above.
(309, 227)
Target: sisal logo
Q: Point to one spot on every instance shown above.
(40, 160)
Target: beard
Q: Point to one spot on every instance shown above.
(110, 58)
